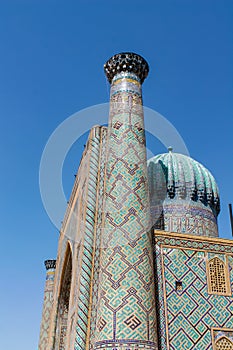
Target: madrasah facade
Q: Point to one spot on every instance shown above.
(140, 264)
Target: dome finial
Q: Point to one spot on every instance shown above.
(170, 149)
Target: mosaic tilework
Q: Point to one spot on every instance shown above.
(184, 195)
(78, 231)
(192, 218)
(160, 303)
(74, 226)
(185, 178)
(47, 306)
(98, 234)
(71, 234)
(186, 217)
(86, 266)
(113, 302)
(194, 242)
(126, 308)
(191, 312)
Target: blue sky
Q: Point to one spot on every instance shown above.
(52, 54)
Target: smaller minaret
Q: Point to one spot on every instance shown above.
(48, 302)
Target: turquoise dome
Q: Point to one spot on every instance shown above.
(183, 178)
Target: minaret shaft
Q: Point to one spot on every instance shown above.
(126, 310)
(48, 303)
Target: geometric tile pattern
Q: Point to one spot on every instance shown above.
(111, 303)
(126, 306)
(192, 311)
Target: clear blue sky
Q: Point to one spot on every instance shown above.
(52, 53)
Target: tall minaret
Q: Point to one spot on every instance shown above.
(48, 303)
(126, 308)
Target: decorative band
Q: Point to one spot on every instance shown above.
(127, 91)
(128, 79)
(117, 344)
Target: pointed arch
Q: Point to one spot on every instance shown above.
(218, 277)
(224, 343)
(64, 300)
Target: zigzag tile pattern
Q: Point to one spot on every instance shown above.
(98, 234)
(86, 265)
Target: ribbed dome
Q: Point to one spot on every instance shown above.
(184, 178)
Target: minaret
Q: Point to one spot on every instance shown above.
(126, 309)
(48, 302)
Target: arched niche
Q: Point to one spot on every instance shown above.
(64, 301)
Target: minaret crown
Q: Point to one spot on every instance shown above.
(126, 62)
(50, 264)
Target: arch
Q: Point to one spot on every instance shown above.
(217, 276)
(224, 343)
(64, 300)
